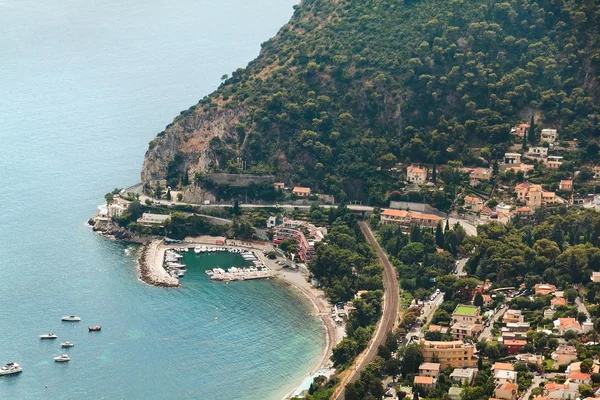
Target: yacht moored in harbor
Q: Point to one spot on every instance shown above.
(10, 368)
(62, 358)
(67, 344)
(94, 328)
(71, 318)
(48, 336)
(197, 249)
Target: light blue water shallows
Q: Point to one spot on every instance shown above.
(84, 86)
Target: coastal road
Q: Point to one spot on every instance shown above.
(391, 302)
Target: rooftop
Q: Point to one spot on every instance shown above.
(503, 366)
(423, 380)
(430, 366)
(463, 309)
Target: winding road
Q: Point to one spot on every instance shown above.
(391, 301)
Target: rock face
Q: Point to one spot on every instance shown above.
(110, 229)
(189, 137)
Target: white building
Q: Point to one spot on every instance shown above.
(549, 136)
(538, 152)
(153, 219)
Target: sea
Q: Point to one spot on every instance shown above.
(84, 86)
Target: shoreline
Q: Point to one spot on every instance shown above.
(292, 278)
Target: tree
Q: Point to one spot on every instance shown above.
(185, 181)
(434, 174)
(531, 131)
(158, 192)
(586, 366)
(236, 209)
(289, 246)
(524, 143)
(439, 235)
(109, 197)
(478, 300)
(168, 195)
(411, 358)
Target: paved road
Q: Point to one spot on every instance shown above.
(391, 302)
(581, 307)
(470, 229)
(487, 331)
(535, 383)
(460, 265)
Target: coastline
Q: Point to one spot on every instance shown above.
(153, 273)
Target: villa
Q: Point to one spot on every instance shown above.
(416, 175)
(301, 191)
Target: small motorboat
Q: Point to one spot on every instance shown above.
(48, 336)
(197, 249)
(67, 344)
(94, 328)
(71, 318)
(62, 358)
(11, 368)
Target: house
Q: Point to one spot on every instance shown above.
(544, 289)
(455, 354)
(511, 159)
(455, 393)
(520, 130)
(563, 391)
(538, 152)
(549, 312)
(482, 174)
(580, 378)
(514, 346)
(501, 376)
(503, 208)
(566, 185)
(408, 218)
(153, 219)
(464, 376)
(474, 203)
(524, 211)
(279, 185)
(513, 335)
(553, 164)
(506, 391)
(466, 313)
(416, 175)
(461, 330)
(271, 221)
(300, 191)
(500, 366)
(522, 327)
(524, 168)
(466, 322)
(549, 136)
(117, 207)
(595, 276)
(424, 381)
(558, 301)
(514, 316)
(568, 324)
(305, 234)
(576, 367)
(528, 358)
(597, 172)
(429, 369)
(534, 196)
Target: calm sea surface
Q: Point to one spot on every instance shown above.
(84, 86)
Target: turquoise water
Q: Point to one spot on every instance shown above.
(84, 86)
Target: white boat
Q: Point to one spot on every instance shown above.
(71, 318)
(62, 358)
(67, 344)
(180, 273)
(197, 249)
(11, 368)
(48, 336)
(209, 272)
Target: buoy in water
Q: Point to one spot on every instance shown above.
(217, 308)
(216, 318)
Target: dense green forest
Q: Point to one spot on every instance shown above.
(348, 86)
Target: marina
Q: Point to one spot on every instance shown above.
(256, 270)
